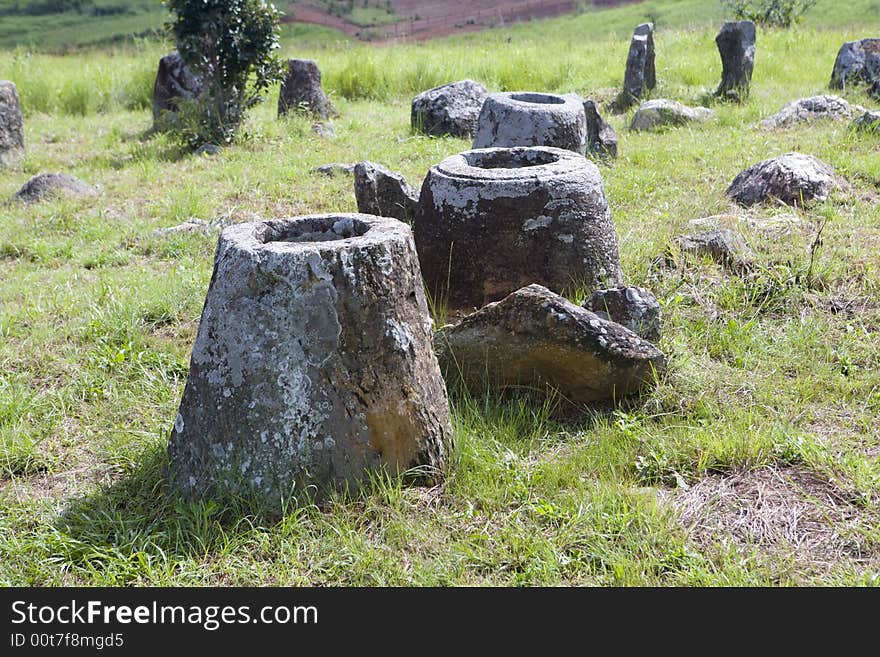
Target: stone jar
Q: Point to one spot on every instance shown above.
(490, 221)
(313, 365)
(527, 118)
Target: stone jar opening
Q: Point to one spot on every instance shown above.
(328, 228)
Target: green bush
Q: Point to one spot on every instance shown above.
(776, 13)
(231, 44)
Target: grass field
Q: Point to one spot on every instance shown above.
(756, 460)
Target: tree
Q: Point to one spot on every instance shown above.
(230, 45)
(776, 13)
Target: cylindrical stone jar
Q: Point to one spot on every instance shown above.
(313, 364)
(528, 118)
(493, 220)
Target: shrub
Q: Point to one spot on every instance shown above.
(231, 45)
(776, 13)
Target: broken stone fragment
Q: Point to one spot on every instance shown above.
(724, 246)
(48, 185)
(11, 125)
(660, 112)
(528, 118)
(312, 369)
(793, 179)
(450, 109)
(537, 339)
(736, 45)
(857, 64)
(384, 193)
(636, 308)
(601, 137)
(493, 220)
(301, 90)
(640, 76)
(811, 109)
(175, 83)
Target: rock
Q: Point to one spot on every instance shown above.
(313, 366)
(324, 130)
(491, 221)
(736, 45)
(636, 308)
(528, 118)
(601, 137)
(451, 109)
(47, 185)
(810, 109)
(792, 178)
(661, 112)
(726, 247)
(640, 75)
(536, 338)
(858, 63)
(868, 122)
(207, 149)
(775, 225)
(11, 126)
(193, 225)
(301, 90)
(335, 168)
(383, 193)
(174, 83)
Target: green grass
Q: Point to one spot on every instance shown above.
(98, 315)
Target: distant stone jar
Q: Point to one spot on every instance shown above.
(313, 365)
(175, 83)
(527, 118)
(301, 90)
(490, 221)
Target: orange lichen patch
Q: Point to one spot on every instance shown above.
(394, 433)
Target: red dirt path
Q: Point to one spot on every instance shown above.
(426, 19)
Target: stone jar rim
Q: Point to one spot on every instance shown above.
(529, 162)
(319, 232)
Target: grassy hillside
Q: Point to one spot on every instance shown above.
(768, 416)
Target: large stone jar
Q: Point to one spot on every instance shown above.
(527, 118)
(491, 221)
(313, 364)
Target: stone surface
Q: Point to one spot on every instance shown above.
(11, 125)
(636, 308)
(47, 185)
(538, 339)
(313, 366)
(335, 168)
(640, 76)
(324, 129)
(527, 118)
(726, 247)
(736, 45)
(858, 63)
(174, 83)
(301, 90)
(601, 137)
(451, 109)
(658, 113)
(811, 109)
(384, 193)
(491, 221)
(207, 149)
(868, 122)
(769, 226)
(792, 178)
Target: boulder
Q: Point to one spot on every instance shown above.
(736, 45)
(658, 113)
(724, 246)
(11, 125)
(493, 220)
(868, 122)
(538, 339)
(174, 83)
(383, 193)
(48, 185)
(451, 109)
(640, 76)
(636, 308)
(526, 118)
(857, 63)
(301, 90)
(811, 109)
(601, 137)
(312, 369)
(793, 179)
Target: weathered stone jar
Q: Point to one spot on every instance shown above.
(527, 118)
(490, 221)
(313, 364)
